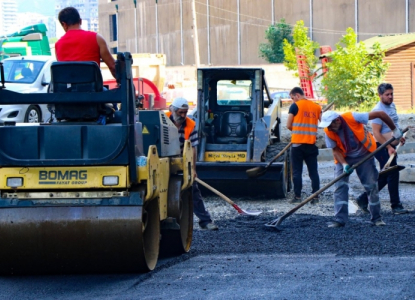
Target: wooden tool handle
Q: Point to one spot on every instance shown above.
(368, 156)
(279, 154)
(215, 191)
(393, 155)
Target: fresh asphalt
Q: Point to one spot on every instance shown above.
(245, 260)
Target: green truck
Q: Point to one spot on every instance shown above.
(31, 40)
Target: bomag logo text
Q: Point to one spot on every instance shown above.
(73, 177)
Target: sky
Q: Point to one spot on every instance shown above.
(44, 7)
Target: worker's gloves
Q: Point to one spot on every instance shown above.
(397, 133)
(347, 169)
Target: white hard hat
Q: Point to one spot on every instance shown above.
(327, 118)
(180, 103)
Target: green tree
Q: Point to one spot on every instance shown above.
(275, 34)
(304, 46)
(53, 40)
(354, 72)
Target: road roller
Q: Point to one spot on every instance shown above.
(94, 189)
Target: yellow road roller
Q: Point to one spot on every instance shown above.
(86, 192)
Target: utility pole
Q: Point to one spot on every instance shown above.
(135, 25)
(181, 32)
(157, 27)
(116, 22)
(238, 8)
(195, 36)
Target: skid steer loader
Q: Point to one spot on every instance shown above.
(238, 130)
(79, 195)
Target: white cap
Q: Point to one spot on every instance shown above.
(180, 103)
(327, 118)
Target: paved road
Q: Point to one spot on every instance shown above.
(242, 276)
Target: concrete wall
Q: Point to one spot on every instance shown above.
(217, 23)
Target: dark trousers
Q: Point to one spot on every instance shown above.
(307, 153)
(199, 206)
(391, 179)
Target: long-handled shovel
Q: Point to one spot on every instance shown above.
(240, 210)
(386, 169)
(275, 223)
(258, 171)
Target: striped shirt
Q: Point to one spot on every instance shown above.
(194, 138)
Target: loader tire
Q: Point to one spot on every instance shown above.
(283, 186)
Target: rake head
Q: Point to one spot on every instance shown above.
(274, 224)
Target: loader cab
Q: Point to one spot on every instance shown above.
(237, 132)
(229, 112)
(230, 103)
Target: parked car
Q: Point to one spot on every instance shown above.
(26, 74)
(281, 95)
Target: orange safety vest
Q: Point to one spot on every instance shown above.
(305, 122)
(188, 129)
(360, 132)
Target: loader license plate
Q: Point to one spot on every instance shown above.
(225, 156)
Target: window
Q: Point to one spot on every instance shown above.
(113, 28)
(234, 92)
(22, 71)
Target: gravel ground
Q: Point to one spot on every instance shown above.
(306, 231)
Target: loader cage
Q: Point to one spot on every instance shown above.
(236, 133)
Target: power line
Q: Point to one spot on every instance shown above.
(269, 21)
(264, 20)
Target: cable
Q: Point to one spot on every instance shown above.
(318, 30)
(267, 21)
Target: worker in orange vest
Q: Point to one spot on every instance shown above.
(351, 142)
(187, 131)
(303, 118)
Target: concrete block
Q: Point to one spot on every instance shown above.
(408, 174)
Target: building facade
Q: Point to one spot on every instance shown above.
(230, 32)
(27, 19)
(8, 15)
(88, 9)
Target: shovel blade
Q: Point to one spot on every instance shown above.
(255, 172)
(245, 212)
(390, 169)
(250, 213)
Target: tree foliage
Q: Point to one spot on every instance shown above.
(304, 46)
(275, 34)
(354, 74)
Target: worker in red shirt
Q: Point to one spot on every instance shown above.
(81, 45)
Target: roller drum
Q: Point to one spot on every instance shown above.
(79, 239)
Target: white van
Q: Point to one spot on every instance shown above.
(26, 74)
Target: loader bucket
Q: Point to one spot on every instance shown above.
(231, 179)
